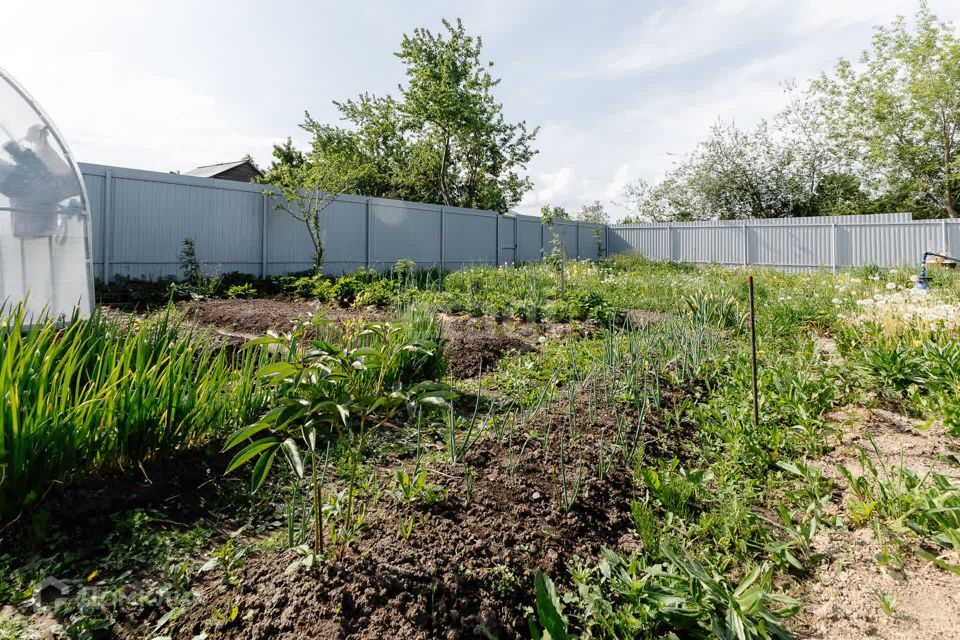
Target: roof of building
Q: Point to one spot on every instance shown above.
(211, 170)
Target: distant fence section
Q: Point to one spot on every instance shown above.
(792, 244)
(140, 218)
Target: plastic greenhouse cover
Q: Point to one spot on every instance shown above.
(44, 216)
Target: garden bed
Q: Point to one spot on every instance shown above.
(472, 344)
(463, 571)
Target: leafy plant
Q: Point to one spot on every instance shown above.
(325, 391)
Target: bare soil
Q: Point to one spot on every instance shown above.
(468, 566)
(843, 601)
(473, 344)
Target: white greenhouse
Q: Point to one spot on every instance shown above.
(44, 213)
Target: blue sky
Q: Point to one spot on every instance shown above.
(615, 86)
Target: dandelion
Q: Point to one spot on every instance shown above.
(914, 278)
(835, 301)
(891, 285)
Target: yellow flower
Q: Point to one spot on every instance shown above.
(917, 343)
(92, 575)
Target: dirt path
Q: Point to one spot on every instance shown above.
(844, 598)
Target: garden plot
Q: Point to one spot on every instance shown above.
(594, 480)
(471, 344)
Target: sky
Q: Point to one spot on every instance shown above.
(617, 88)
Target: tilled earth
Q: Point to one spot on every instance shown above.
(473, 345)
(467, 569)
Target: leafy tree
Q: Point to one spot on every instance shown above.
(303, 189)
(550, 213)
(896, 115)
(449, 101)
(733, 174)
(444, 140)
(593, 212)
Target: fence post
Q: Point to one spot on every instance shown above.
(578, 241)
(107, 225)
(833, 246)
(944, 239)
(516, 238)
(496, 221)
(543, 247)
(746, 243)
(263, 233)
(670, 232)
(366, 253)
(442, 211)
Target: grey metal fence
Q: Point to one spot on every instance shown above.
(792, 244)
(140, 218)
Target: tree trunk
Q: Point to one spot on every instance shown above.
(948, 199)
(947, 189)
(443, 172)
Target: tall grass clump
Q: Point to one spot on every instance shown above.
(97, 394)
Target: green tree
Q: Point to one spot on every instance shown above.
(550, 213)
(304, 189)
(733, 174)
(896, 114)
(449, 101)
(444, 140)
(593, 212)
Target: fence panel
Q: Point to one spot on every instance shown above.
(591, 238)
(508, 240)
(886, 245)
(469, 238)
(96, 192)
(344, 223)
(404, 231)
(791, 246)
(951, 231)
(223, 224)
(530, 234)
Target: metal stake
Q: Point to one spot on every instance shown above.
(753, 354)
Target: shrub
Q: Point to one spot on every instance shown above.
(380, 293)
(241, 291)
(349, 287)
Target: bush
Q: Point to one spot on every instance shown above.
(558, 311)
(349, 287)
(242, 291)
(379, 293)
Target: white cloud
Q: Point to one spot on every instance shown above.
(618, 183)
(551, 187)
(112, 107)
(681, 34)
